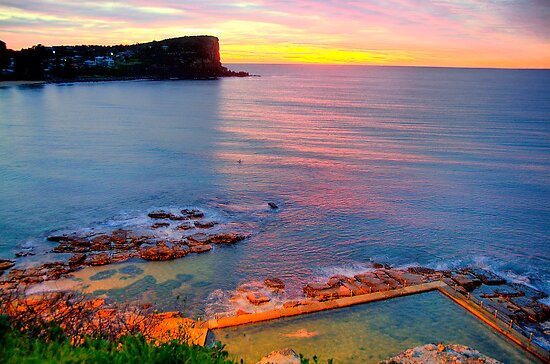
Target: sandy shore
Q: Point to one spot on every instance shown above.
(18, 83)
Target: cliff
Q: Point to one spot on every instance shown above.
(191, 57)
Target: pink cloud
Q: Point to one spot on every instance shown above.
(443, 32)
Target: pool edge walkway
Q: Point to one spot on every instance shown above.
(319, 306)
(498, 325)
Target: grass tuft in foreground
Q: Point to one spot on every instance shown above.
(19, 347)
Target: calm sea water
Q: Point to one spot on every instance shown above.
(440, 167)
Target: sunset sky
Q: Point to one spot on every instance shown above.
(471, 33)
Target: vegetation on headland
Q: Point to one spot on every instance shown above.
(196, 57)
(53, 346)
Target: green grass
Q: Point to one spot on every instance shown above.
(54, 347)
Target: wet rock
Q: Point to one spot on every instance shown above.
(23, 253)
(226, 238)
(98, 259)
(376, 265)
(283, 356)
(421, 271)
(371, 280)
(205, 225)
(6, 264)
(122, 256)
(388, 281)
(275, 284)
(405, 278)
(163, 251)
(311, 289)
(119, 236)
(336, 281)
(273, 205)
(202, 248)
(468, 282)
(58, 238)
(198, 238)
(257, 298)
(487, 277)
(441, 354)
(535, 311)
(159, 215)
(192, 214)
(186, 226)
(77, 259)
(158, 225)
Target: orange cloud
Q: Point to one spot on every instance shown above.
(471, 33)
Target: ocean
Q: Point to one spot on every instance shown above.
(433, 166)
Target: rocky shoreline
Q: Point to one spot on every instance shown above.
(102, 248)
(171, 234)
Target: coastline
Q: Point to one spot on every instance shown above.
(20, 83)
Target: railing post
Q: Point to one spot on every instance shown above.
(480, 304)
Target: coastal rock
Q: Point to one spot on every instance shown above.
(257, 298)
(226, 238)
(205, 225)
(377, 265)
(158, 225)
(198, 238)
(441, 354)
(77, 259)
(283, 356)
(275, 284)
(119, 236)
(311, 289)
(23, 253)
(487, 277)
(192, 214)
(421, 271)
(371, 280)
(273, 205)
(159, 215)
(388, 280)
(98, 259)
(185, 226)
(405, 278)
(469, 283)
(202, 248)
(6, 264)
(163, 251)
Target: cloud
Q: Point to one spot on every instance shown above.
(445, 32)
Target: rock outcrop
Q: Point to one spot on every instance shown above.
(441, 354)
(115, 246)
(283, 356)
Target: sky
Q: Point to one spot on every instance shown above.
(458, 33)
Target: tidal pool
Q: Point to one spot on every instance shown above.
(371, 332)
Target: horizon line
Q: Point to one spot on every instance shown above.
(387, 65)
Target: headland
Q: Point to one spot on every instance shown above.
(189, 57)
